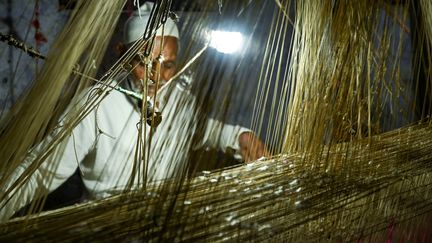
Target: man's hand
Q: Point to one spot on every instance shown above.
(251, 147)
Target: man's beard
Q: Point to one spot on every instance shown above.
(151, 87)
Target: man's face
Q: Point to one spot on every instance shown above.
(167, 67)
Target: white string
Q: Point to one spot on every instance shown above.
(137, 4)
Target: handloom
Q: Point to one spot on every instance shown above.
(335, 174)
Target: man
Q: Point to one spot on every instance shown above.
(104, 144)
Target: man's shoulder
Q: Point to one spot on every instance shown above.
(103, 96)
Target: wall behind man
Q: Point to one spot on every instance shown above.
(36, 23)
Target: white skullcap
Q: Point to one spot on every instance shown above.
(136, 24)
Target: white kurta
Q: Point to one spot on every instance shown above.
(106, 159)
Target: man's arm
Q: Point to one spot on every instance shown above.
(53, 171)
(233, 137)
